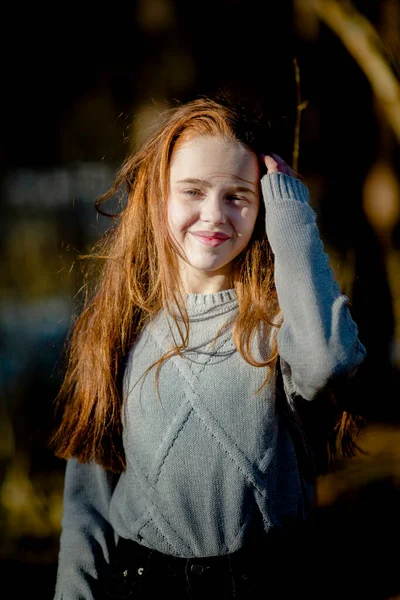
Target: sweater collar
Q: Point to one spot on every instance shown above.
(205, 306)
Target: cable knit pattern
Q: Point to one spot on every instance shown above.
(207, 454)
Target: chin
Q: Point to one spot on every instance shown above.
(207, 268)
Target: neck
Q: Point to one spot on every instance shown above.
(206, 285)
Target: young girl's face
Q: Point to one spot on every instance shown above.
(213, 203)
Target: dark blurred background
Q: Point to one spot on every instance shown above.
(79, 88)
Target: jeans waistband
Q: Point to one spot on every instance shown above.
(138, 570)
(131, 550)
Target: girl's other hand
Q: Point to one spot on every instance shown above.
(276, 164)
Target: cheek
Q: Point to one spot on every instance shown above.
(179, 217)
(173, 213)
(248, 219)
(172, 223)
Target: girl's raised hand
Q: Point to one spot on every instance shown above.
(276, 164)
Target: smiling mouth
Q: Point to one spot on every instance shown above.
(209, 240)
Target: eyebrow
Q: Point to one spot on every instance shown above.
(208, 184)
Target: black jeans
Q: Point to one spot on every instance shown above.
(267, 571)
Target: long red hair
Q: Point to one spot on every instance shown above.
(132, 275)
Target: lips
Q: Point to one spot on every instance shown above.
(211, 238)
(211, 234)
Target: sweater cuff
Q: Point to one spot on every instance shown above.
(278, 186)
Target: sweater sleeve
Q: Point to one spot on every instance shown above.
(86, 534)
(318, 340)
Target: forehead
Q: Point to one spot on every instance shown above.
(214, 157)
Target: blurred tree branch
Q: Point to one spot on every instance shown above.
(363, 42)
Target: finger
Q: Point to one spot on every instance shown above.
(283, 167)
(271, 164)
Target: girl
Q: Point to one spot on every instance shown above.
(183, 470)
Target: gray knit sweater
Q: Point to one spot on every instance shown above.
(208, 454)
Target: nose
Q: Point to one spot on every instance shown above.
(214, 209)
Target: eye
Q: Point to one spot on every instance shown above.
(192, 192)
(238, 199)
